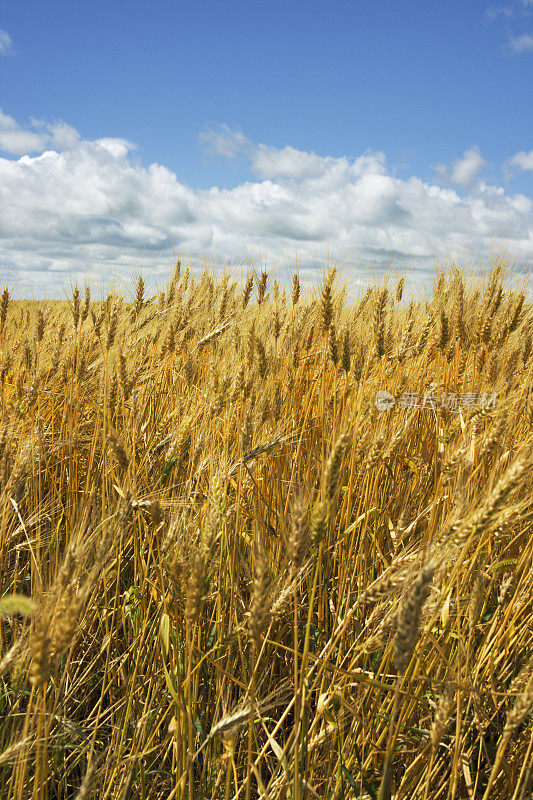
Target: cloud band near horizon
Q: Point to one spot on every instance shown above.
(69, 204)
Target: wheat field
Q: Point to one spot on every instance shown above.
(226, 573)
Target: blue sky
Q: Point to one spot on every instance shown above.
(376, 131)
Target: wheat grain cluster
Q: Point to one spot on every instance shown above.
(227, 573)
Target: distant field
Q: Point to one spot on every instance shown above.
(226, 573)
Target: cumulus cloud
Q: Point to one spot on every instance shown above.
(464, 169)
(72, 204)
(522, 161)
(5, 43)
(18, 140)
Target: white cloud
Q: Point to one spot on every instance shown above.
(464, 169)
(62, 135)
(493, 12)
(118, 148)
(268, 162)
(517, 10)
(521, 44)
(17, 140)
(226, 143)
(87, 205)
(5, 43)
(522, 160)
